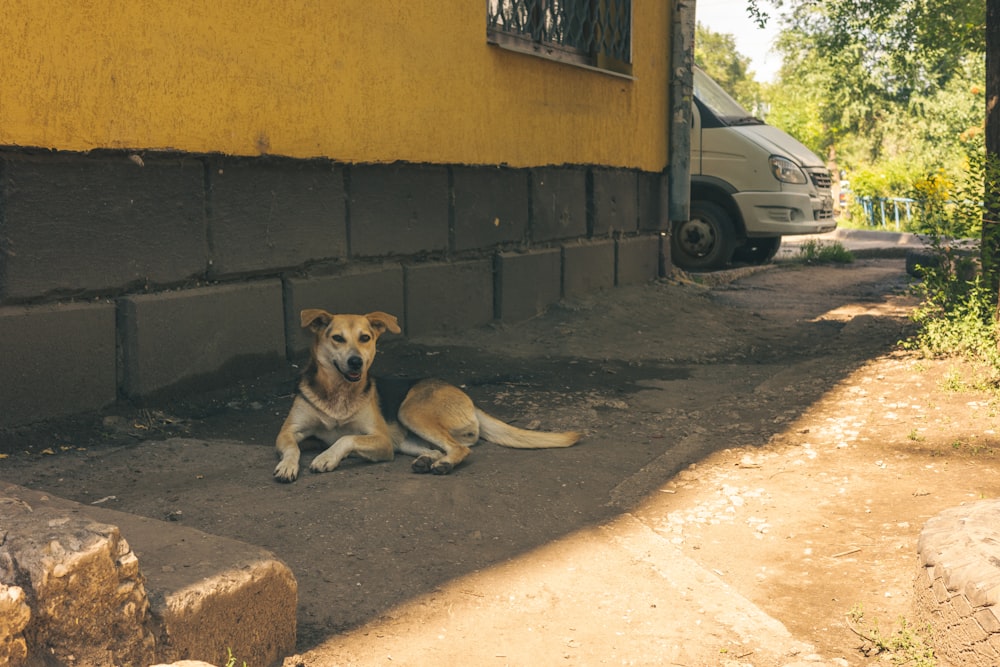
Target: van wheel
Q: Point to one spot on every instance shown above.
(705, 241)
(758, 251)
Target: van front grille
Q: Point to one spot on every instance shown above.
(821, 178)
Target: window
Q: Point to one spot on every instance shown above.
(592, 33)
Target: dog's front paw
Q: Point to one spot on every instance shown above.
(325, 462)
(286, 471)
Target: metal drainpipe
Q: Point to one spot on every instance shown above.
(681, 62)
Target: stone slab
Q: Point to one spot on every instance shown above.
(84, 224)
(558, 203)
(205, 593)
(637, 259)
(615, 202)
(448, 295)
(268, 215)
(397, 209)
(588, 266)
(14, 617)
(56, 360)
(527, 283)
(87, 600)
(209, 336)
(653, 198)
(491, 206)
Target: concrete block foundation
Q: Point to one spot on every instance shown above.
(449, 295)
(56, 359)
(637, 259)
(211, 335)
(135, 277)
(527, 283)
(588, 266)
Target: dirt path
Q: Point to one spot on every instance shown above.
(756, 446)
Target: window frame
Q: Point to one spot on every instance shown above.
(532, 21)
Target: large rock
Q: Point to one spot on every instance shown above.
(14, 616)
(87, 599)
(197, 596)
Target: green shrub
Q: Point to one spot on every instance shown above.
(957, 311)
(819, 252)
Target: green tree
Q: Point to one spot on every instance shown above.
(716, 54)
(894, 86)
(911, 65)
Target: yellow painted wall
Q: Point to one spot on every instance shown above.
(351, 80)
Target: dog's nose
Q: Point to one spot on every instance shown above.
(355, 363)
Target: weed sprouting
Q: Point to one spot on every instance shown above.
(819, 252)
(903, 646)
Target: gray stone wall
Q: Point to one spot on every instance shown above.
(128, 277)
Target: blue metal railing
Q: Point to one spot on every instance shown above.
(879, 211)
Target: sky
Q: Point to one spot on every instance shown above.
(730, 17)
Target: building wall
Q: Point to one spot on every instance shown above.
(356, 82)
(178, 180)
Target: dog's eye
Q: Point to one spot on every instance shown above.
(364, 338)
(337, 338)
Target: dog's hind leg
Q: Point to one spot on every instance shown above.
(416, 447)
(445, 417)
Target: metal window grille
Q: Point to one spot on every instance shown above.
(596, 33)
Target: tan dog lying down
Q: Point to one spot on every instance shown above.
(339, 403)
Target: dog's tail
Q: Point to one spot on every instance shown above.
(494, 430)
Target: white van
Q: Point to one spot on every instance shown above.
(751, 184)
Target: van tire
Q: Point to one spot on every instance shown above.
(757, 250)
(706, 240)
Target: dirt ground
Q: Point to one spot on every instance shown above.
(768, 431)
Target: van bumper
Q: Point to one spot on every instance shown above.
(785, 213)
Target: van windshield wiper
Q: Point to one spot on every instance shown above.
(745, 120)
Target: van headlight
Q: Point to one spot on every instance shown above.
(786, 171)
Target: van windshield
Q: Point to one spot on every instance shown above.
(727, 110)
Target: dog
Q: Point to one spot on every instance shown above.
(338, 402)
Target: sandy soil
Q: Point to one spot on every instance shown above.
(774, 449)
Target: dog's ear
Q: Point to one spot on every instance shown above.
(383, 322)
(315, 319)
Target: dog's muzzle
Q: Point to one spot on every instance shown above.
(355, 366)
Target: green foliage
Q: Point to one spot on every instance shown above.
(889, 89)
(953, 209)
(716, 54)
(794, 106)
(957, 315)
(903, 646)
(231, 659)
(819, 252)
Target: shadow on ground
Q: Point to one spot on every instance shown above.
(658, 376)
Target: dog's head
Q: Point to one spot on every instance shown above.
(345, 344)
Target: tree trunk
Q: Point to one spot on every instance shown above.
(991, 214)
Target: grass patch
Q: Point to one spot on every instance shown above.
(904, 645)
(231, 660)
(820, 252)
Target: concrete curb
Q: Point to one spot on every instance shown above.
(172, 593)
